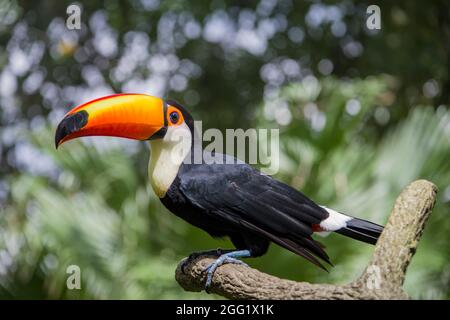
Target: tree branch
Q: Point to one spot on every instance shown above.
(382, 279)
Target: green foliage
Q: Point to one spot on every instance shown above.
(353, 133)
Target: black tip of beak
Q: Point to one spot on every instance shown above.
(70, 124)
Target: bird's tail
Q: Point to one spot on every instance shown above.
(361, 230)
(354, 228)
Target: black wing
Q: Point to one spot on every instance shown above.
(244, 197)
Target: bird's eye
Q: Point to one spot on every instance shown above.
(174, 117)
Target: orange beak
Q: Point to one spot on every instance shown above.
(132, 116)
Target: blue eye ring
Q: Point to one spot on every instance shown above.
(174, 117)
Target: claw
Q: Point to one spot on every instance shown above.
(184, 264)
(195, 255)
(224, 258)
(188, 260)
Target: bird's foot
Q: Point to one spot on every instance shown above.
(195, 255)
(230, 257)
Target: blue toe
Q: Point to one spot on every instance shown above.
(225, 258)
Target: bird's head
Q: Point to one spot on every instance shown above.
(132, 116)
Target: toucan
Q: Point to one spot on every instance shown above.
(226, 198)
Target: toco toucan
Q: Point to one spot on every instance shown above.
(223, 199)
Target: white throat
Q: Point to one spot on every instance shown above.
(166, 157)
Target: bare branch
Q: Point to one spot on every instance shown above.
(382, 279)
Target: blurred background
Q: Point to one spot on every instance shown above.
(361, 114)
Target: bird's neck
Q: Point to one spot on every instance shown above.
(167, 155)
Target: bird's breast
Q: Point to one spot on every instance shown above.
(163, 167)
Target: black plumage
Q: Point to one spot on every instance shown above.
(253, 209)
(236, 200)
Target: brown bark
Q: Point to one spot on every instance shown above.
(382, 279)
